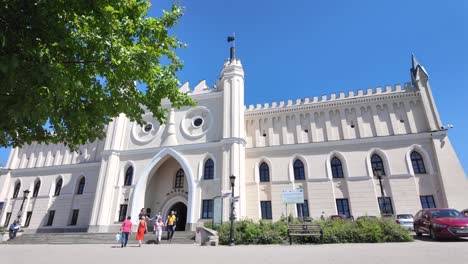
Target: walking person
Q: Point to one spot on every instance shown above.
(170, 223)
(158, 227)
(126, 230)
(142, 230)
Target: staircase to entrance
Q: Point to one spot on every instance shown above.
(180, 237)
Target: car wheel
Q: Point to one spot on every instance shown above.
(433, 235)
(418, 233)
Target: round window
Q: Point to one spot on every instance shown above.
(198, 122)
(148, 127)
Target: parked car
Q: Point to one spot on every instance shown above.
(441, 223)
(338, 217)
(405, 220)
(465, 212)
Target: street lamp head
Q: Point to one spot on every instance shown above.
(26, 193)
(378, 173)
(232, 180)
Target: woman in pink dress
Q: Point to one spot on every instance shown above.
(142, 229)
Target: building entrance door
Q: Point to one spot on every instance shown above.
(180, 210)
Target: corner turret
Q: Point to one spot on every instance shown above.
(420, 80)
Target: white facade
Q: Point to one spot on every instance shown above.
(392, 123)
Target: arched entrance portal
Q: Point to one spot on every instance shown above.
(180, 210)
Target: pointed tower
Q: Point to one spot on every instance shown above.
(231, 83)
(420, 80)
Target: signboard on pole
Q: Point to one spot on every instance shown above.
(293, 196)
(218, 211)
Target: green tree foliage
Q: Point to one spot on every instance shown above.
(68, 67)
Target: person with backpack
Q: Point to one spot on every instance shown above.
(14, 227)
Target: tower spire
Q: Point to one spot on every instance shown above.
(233, 46)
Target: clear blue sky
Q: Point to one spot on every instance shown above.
(294, 49)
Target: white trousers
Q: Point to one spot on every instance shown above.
(157, 235)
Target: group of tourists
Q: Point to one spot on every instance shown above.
(142, 228)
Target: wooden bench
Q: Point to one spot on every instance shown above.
(305, 229)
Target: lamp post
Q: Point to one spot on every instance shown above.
(378, 174)
(20, 212)
(232, 180)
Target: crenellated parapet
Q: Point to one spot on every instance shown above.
(392, 110)
(340, 98)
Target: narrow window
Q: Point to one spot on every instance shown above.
(343, 207)
(28, 219)
(266, 209)
(427, 202)
(179, 179)
(264, 172)
(336, 168)
(299, 170)
(37, 187)
(81, 186)
(50, 219)
(123, 212)
(303, 209)
(17, 189)
(377, 164)
(418, 163)
(207, 209)
(74, 218)
(58, 187)
(128, 176)
(385, 205)
(7, 219)
(209, 170)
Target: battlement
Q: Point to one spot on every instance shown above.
(398, 88)
(200, 88)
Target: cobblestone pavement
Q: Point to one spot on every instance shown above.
(425, 251)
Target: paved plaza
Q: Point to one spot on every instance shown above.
(427, 252)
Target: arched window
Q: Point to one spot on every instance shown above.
(58, 187)
(209, 170)
(299, 170)
(418, 163)
(128, 176)
(264, 172)
(37, 186)
(336, 168)
(17, 189)
(179, 179)
(81, 186)
(377, 164)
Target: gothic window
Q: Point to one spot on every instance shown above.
(74, 218)
(299, 173)
(128, 176)
(303, 209)
(58, 187)
(81, 186)
(342, 206)
(179, 179)
(37, 186)
(418, 163)
(209, 170)
(377, 164)
(123, 212)
(17, 189)
(264, 172)
(427, 201)
(207, 209)
(336, 168)
(266, 209)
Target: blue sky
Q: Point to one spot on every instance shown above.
(297, 49)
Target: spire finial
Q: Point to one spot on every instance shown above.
(233, 46)
(415, 62)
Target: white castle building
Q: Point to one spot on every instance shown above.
(329, 146)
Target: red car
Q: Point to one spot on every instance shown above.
(441, 223)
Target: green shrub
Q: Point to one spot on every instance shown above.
(367, 230)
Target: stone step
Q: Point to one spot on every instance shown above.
(180, 237)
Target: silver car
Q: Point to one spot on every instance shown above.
(405, 220)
